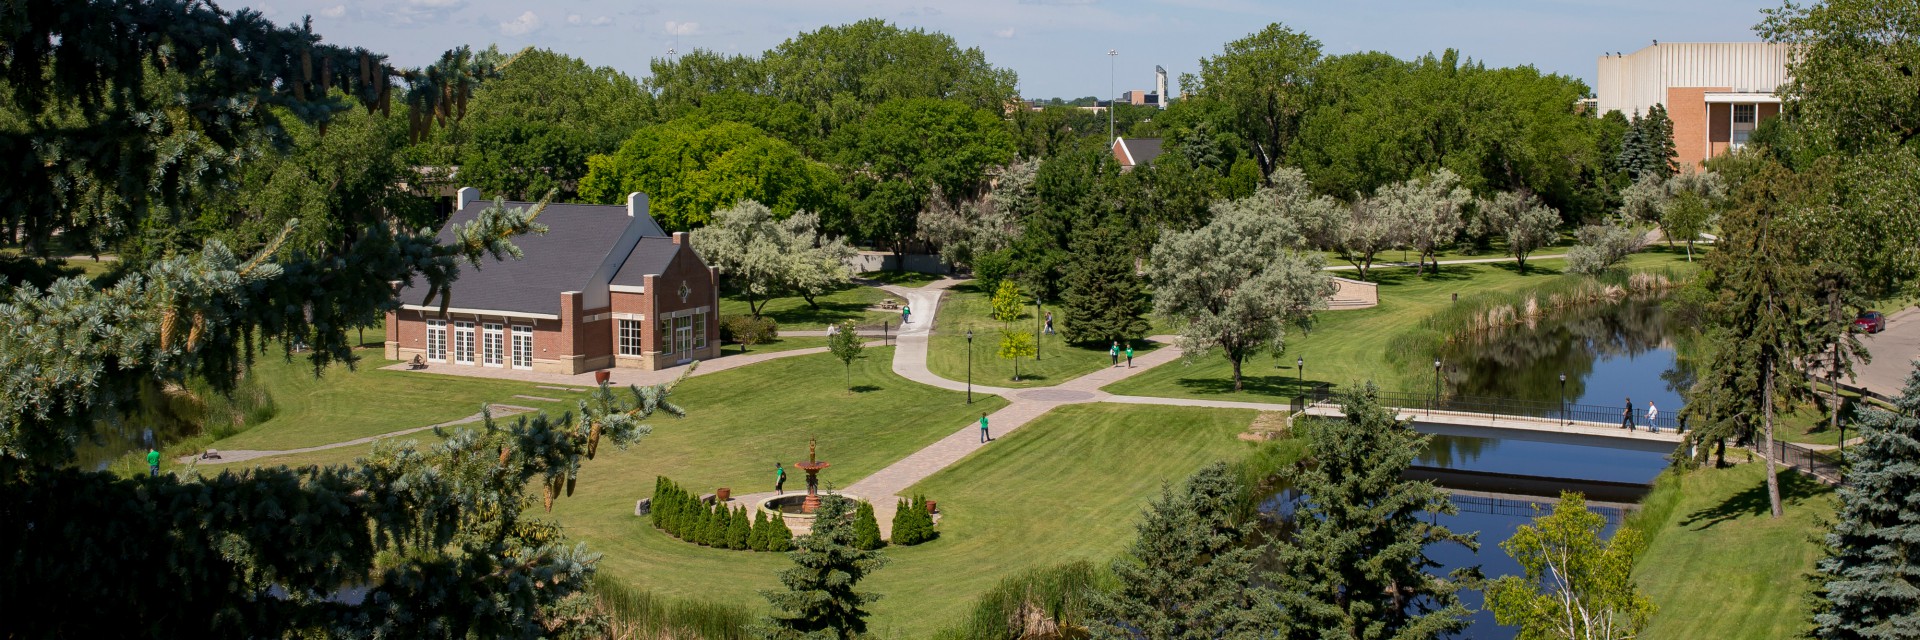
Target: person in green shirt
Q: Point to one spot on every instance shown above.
(153, 462)
(1129, 355)
(779, 479)
(984, 438)
(1114, 353)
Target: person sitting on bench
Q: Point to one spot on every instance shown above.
(417, 363)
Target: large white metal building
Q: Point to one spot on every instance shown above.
(1715, 92)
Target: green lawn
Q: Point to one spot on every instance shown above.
(1721, 567)
(1069, 485)
(965, 307)
(784, 343)
(1498, 249)
(853, 302)
(344, 405)
(909, 279)
(1346, 347)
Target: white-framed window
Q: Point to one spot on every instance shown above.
(522, 347)
(630, 338)
(493, 349)
(1743, 113)
(462, 342)
(666, 335)
(1743, 122)
(436, 341)
(699, 329)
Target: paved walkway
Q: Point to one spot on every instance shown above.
(242, 455)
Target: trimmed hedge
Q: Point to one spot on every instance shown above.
(681, 514)
(913, 523)
(866, 528)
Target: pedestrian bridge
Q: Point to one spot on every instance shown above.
(1554, 429)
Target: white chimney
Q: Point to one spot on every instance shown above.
(636, 205)
(465, 196)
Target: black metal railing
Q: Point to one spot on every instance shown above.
(1666, 419)
(1820, 464)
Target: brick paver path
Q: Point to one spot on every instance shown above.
(242, 455)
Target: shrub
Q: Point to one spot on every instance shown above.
(866, 528)
(757, 532)
(747, 331)
(1602, 247)
(912, 523)
(779, 537)
(717, 524)
(738, 530)
(990, 268)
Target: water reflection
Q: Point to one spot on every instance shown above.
(1608, 353)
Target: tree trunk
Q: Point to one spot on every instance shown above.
(1766, 414)
(1236, 373)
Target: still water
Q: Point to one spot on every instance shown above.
(1502, 466)
(1608, 352)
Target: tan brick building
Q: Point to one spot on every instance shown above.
(1716, 93)
(604, 287)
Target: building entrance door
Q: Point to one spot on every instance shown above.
(683, 338)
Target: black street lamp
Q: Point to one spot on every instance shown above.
(1300, 370)
(1563, 400)
(1037, 320)
(1436, 385)
(969, 365)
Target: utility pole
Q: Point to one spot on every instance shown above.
(1113, 66)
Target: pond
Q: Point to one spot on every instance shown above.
(1498, 482)
(1608, 352)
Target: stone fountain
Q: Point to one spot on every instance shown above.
(812, 466)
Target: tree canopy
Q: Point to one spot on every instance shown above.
(690, 168)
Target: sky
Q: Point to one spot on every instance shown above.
(1058, 47)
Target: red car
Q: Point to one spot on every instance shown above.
(1870, 322)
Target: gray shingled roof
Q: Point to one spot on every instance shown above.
(650, 257)
(1143, 150)
(564, 259)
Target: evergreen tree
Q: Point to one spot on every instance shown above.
(757, 538)
(779, 537)
(718, 522)
(1189, 574)
(738, 529)
(1871, 575)
(820, 600)
(1357, 565)
(1105, 298)
(1659, 138)
(866, 528)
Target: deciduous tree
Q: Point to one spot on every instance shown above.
(1575, 585)
(1525, 222)
(1015, 345)
(764, 258)
(846, 344)
(1262, 79)
(691, 168)
(1427, 210)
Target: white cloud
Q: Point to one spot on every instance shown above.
(419, 11)
(682, 28)
(523, 25)
(334, 11)
(574, 18)
(1004, 33)
(578, 20)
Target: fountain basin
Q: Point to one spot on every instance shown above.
(788, 507)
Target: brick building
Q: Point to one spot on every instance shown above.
(604, 287)
(1715, 92)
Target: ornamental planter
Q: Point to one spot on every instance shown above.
(600, 377)
(723, 494)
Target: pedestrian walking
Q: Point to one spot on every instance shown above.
(779, 479)
(1049, 323)
(906, 315)
(1114, 353)
(984, 436)
(1653, 414)
(1129, 355)
(1626, 417)
(153, 463)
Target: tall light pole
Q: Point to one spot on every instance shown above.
(1436, 381)
(1563, 400)
(1037, 320)
(1113, 66)
(969, 365)
(1300, 370)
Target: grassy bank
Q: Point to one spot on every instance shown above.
(1346, 347)
(966, 307)
(1718, 565)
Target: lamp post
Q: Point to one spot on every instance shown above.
(1037, 320)
(969, 365)
(1300, 370)
(1436, 381)
(1563, 399)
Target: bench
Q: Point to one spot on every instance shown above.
(889, 303)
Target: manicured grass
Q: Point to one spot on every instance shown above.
(966, 307)
(783, 343)
(347, 404)
(1346, 347)
(853, 302)
(1722, 567)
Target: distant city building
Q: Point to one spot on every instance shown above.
(1715, 92)
(1133, 152)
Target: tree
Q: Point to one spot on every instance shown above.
(1428, 210)
(1850, 84)
(974, 227)
(1522, 219)
(913, 522)
(764, 258)
(1602, 246)
(820, 600)
(532, 130)
(1356, 566)
(1106, 299)
(738, 529)
(1015, 345)
(1867, 578)
(1236, 283)
(1647, 149)
(866, 528)
(846, 344)
(1008, 303)
(1262, 80)
(521, 159)
(902, 150)
(1189, 573)
(1359, 233)
(690, 168)
(1576, 586)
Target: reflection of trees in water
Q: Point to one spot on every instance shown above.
(1526, 363)
(1453, 452)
